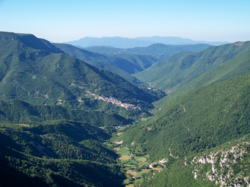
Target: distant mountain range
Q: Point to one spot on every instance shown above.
(122, 65)
(121, 42)
(158, 50)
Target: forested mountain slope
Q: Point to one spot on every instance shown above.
(31, 41)
(237, 65)
(225, 165)
(130, 63)
(171, 73)
(95, 59)
(195, 121)
(56, 153)
(42, 77)
(17, 111)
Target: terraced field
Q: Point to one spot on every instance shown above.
(134, 167)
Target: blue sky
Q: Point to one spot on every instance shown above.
(61, 20)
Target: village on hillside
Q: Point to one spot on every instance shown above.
(114, 101)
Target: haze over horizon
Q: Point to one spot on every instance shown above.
(63, 21)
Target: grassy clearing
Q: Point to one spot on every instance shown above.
(131, 172)
(141, 159)
(144, 170)
(138, 181)
(154, 163)
(24, 125)
(128, 168)
(157, 169)
(119, 133)
(142, 164)
(117, 149)
(125, 157)
(130, 185)
(139, 175)
(132, 162)
(108, 144)
(122, 128)
(132, 166)
(144, 119)
(124, 151)
(126, 181)
(123, 161)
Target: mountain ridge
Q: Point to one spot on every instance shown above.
(157, 50)
(171, 73)
(121, 42)
(43, 77)
(120, 64)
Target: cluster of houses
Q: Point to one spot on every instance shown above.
(114, 101)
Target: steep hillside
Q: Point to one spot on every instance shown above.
(17, 111)
(173, 73)
(42, 77)
(31, 41)
(132, 63)
(57, 153)
(195, 121)
(82, 54)
(226, 165)
(177, 56)
(96, 60)
(121, 64)
(237, 65)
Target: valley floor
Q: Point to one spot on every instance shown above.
(134, 167)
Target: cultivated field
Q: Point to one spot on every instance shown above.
(124, 157)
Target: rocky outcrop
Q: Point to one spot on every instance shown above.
(223, 164)
(39, 147)
(162, 162)
(120, 142)
(170, 154)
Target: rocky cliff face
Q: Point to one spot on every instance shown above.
(224, 167)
